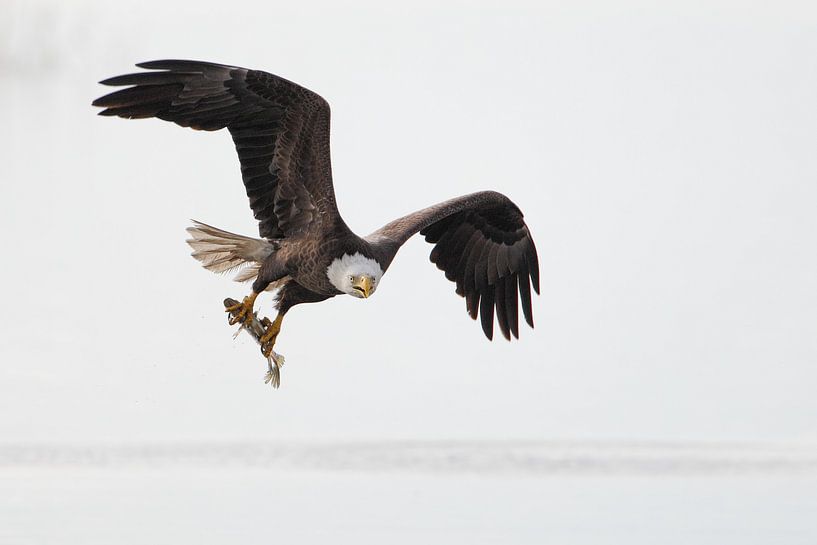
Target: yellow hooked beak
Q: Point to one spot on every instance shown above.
(363, 284)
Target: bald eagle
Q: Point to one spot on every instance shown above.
(306, 251)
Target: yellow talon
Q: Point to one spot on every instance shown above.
(269, 337)
(243, 310)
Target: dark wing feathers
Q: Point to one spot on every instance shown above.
(280, 130)
(486, 312)
(524, 294)
(512, 303)
(482, 244)
(496, 271)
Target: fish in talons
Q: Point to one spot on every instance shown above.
(259, 330)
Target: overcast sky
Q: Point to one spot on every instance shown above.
(663, 155)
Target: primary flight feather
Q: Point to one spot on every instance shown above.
(307, 252)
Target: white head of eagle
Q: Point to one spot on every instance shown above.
(356, 275)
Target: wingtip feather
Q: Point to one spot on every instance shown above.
(152, 65)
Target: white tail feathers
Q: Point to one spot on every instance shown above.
(220, 251)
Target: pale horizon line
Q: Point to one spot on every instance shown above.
(484, 457)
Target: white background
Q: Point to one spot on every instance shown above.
(664, 156)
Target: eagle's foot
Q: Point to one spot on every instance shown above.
(269, 337)
(241, 312)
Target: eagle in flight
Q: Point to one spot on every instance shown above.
(306, 251)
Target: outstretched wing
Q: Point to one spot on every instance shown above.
(482, 243)
(280, 130)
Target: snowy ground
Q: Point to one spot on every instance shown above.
(565, 493)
